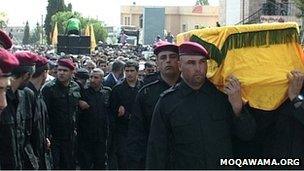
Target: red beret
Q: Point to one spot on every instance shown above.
(27, 62)
(7, 62)
(26, 58)
(66, 63)
(164, 46)
(192, 48)
(5, 41)
(41, 63)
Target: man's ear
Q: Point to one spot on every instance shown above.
(180, 65)
(26, 76)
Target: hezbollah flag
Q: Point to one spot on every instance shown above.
(259, 55)
(93, 42)
(87, 31)
(55, 35)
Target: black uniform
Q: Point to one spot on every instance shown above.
(193, 129)
(39, 131)
(140, 122)
(93, 124)
(15, 148)
(122, 95)
(288, 140)
(62, 104)
(261, 145)
(149, 78)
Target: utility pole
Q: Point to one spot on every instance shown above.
(41, 29)
(243, 11)
(302, 27)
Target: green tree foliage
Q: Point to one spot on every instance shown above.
(52, 8)
(202, 2)
(3, 20)
(36, 36)
(26, 36)
(299, 4)
(2, 24)
(62, 17)
(99, 30)
(69, 7)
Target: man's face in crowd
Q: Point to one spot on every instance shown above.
(64, 74)
(150, 70)
(121, 73)
(131, 74)
(89, 67)
(193, 69)
(103, 66)
(95, 79)
(82, 81)
(167, 62)
(4, 83)
(25, 79)
(45, 74)
(53, 72)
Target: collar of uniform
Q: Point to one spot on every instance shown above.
(61, 85)
(11, 96)
(113, 75)
(31, 86)
(137, 84)
(206, 88)
(163, 82)
(91, 89)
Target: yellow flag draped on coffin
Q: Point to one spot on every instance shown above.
(259, 55)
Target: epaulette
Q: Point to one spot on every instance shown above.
(49, 84)
(107, 88)
(74, 86)
(168, 91)
(146, 87)
(119, 83)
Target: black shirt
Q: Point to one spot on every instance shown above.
(62, 104)
(94, 120)
(123, 95)
(139, 126)
(193, 129)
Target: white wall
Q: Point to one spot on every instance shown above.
(233, 11)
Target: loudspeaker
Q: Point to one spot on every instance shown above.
(74, 51)
(73, 44)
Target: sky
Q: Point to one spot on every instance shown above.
(105, 10)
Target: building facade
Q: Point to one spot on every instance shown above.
(177, 18)
(258, 11)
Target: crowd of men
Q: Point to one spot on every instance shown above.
(106, 112)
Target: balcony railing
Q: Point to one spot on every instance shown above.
(271, 9)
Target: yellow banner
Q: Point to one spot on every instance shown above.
(55, 35)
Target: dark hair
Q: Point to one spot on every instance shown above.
(132, 63)
(118, 65)
(100, 61)
(38, 73)
(150, 64)
(18, 74)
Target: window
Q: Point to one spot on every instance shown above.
(127, 21)
(184, 28)
(141, 21)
